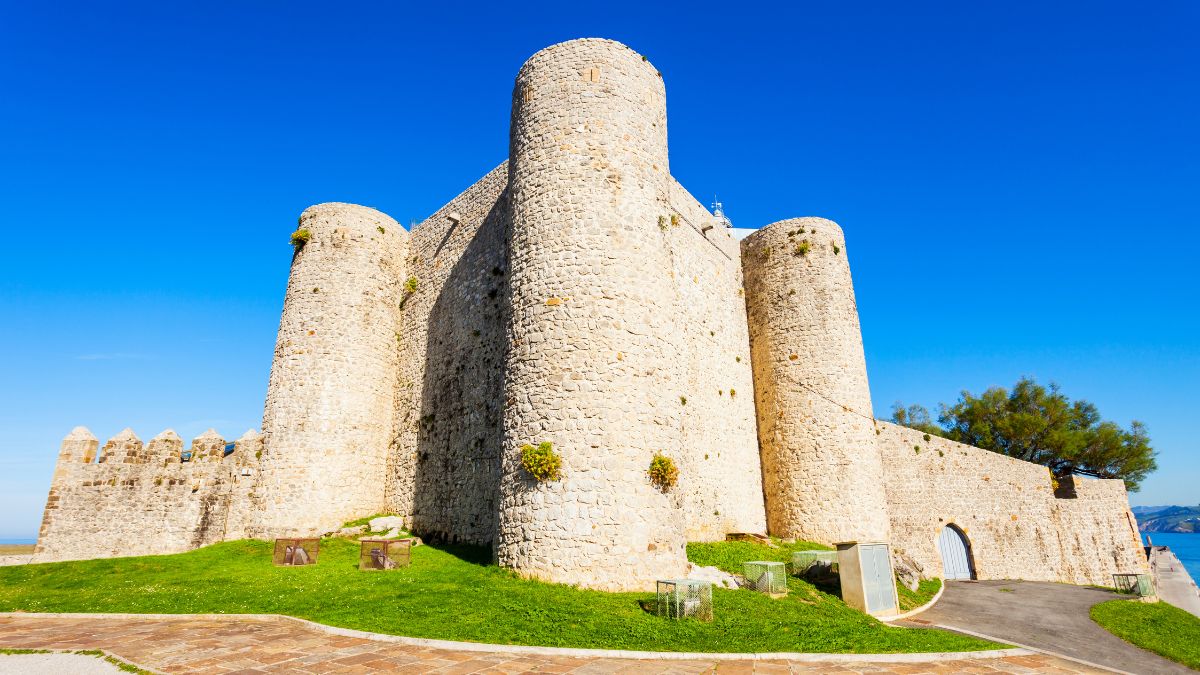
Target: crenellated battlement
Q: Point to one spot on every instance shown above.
(104, 498)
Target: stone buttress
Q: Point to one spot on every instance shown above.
(328, 419)
(591, 363)
(822, 471)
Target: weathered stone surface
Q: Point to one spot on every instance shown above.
(384, 523)
(716, 575)
(592, 360)
(822, 473)
(143, 500)
(444, 468)
(1015, 526)
(908, 571)
(328, 420)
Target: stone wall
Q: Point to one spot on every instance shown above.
(720, 477)
(327, 424)
(1016, 527)
(130, 498)
(822, 473)
(444, 472)
(593, 350)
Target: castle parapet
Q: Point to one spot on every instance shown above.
(124, 448)
(165, 448)
(102, 504)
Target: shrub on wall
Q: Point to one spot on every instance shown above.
(410, 285)
(541, 462)
(663, 472)
(299, 238)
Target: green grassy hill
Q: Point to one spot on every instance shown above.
(454, 593)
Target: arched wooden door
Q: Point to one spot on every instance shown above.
(956, 559)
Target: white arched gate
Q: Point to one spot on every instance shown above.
(956, 564)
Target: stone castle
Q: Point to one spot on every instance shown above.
(578, 295)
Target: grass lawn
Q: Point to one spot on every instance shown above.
(914, 599)
(455, 593)
(1159, 627)
(732, 555)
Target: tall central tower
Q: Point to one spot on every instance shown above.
(591, 362)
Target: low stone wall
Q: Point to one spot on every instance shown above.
(141, 499)
(1016, 527)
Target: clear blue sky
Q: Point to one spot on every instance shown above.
(1019, 184)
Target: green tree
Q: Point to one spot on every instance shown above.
(1040, 424)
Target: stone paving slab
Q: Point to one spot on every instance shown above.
(268, 645)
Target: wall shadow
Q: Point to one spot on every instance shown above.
(460, 437)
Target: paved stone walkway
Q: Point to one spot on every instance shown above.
(266, 645)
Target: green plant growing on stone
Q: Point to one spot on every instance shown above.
(299, 238)
(836, 249)
(662, 223)
(674, 220)
(381, 230)
(410, 285)
(802, 248)
(682, 400)
(663, 472)
(732, 393)
(541, 461)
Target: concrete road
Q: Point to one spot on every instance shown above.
(1174, 584)
(55, 664)
(1052, 617)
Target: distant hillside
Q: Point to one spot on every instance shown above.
(1168, 518)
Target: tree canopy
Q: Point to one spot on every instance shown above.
(1042, 425)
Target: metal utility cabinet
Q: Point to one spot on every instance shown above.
(868, 583)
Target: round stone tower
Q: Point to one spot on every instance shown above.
(822, 471)
(328, 418)
(591, 360)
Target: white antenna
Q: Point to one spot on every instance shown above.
(719, 213)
